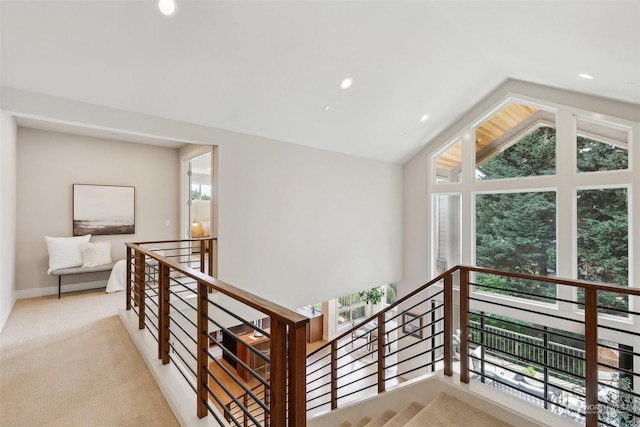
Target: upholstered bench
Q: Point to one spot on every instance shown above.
(77, 255)
(78, 270)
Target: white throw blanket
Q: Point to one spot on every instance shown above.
(117, 278)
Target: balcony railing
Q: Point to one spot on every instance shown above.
(220, 338)
(244, 357)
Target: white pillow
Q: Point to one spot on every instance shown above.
(64, 252)
(95, 254)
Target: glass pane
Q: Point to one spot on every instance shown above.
(343, 317)
(517, 141)
(600, 147)
(448, 164)
(516, 232)
(603, 242)
(358, 313)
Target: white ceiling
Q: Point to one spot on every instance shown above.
(269, 68)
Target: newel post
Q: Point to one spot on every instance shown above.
(140, 288)
(464, 322)
(297, 375)
(448, 330)
(163, 313)
(334, 374)
(381, 349)
(128, 278)
(203, 346)
(591, 355)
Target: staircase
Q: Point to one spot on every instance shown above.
(444, 411)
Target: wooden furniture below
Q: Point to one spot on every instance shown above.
(260, 343)
(314, 327)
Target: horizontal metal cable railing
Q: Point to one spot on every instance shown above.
(572, 355)
(404, 340)
(220, 338)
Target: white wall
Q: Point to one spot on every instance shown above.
(8, 144)
(49, 163)
(294, 218)
(296, 225)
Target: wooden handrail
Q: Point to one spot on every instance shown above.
(283, 314)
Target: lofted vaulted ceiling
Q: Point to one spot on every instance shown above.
(271, 68)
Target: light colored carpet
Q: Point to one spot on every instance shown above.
(70, 362)
(448, 411)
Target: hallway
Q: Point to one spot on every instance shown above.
(70, 362)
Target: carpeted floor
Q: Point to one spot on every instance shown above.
(70, 362)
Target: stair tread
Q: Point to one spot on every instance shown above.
(381, 419)
(402, 417)
(446, 411)
(345, 424)
(363, 422)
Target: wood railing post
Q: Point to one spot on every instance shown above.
(140, 288)
(334, 374)
(278, 359)
(448, 330)
(464, 322)
(203, 254)
(381, 350)
(297, 375)
(164, 320)
(213, 256)
(128, 278)
(203, 345)
(591, 355)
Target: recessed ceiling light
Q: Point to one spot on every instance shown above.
(327, 107)
(424, 118)
(346, 83)
(586, 76)
(167, 7)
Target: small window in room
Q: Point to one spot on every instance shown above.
(603, 243)
(351, 308)
(517, 141)
(516, 232)
(601, 147)
(448, 163)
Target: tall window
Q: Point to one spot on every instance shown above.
(542, 203)
(603, 242)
